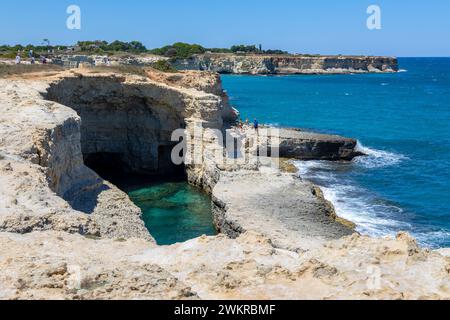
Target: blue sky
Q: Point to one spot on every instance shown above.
(409, 28)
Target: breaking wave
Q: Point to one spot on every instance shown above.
(372, 215)
(377, 158)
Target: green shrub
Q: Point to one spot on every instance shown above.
(179, 50)
(164, 66)
(8, 55)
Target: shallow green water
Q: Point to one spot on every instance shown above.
(174, 211)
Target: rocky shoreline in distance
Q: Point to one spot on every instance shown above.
(287, 64)
(251, 64)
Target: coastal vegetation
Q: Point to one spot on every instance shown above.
(81, 47)
(254, 49)
(164, 66)
(10, 52)
(178, 50)
(182, 50)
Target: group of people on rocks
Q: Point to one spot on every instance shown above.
(255, 124)
(18, 59)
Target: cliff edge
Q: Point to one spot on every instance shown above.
(287, 64)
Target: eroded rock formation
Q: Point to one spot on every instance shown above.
(281, 238)
(287, 64)
(248, 267)
(250, 63)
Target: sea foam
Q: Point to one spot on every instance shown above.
(377, 158)
(372, 215)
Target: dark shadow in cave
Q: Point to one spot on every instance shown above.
(113, 168)
(105, 163)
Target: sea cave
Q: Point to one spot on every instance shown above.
(126, 140)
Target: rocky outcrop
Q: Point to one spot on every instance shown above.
(52, 265)
(130, 120)
(282, 207)
(287, 64)
(57, 265)
(301, 145)
(75, 61)
(124, 122)
(67, 233)
(209, 82)
(247, 63)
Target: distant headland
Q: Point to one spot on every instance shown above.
(239, 59)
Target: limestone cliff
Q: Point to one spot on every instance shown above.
(249, 63)
(248, 268)
(287, 64)
(45, 184)
(67, 233)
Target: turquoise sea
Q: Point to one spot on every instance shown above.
(402, 121)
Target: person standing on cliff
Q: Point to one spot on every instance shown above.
(256, 125)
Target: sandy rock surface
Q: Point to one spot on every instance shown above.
(280, 206)
(57, 265)
(65, 233)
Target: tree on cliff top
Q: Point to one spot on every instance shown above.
(244, 48)
(179, 50)
(254, 49)
(116, 46)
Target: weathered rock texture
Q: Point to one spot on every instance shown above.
(249, 63)
(279, 206)
(287, 64)
(51, 265)
(298, 144)
(302, 145)
(77, 60)
(45, 184)
(209, 82)
(56, 265)
(131, 119)
(67, 233)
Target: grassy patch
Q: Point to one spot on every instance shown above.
(10, 70)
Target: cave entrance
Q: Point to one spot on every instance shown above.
(110, 166)
(165, 164)
(114, 167)
(173, 211)
(126, 139)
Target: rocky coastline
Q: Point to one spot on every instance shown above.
(252, 64)
(287, 64)
(66, 233)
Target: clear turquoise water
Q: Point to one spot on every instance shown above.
(402, 120)
(174, 211)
